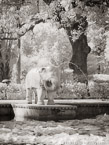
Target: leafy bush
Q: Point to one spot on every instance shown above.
(99, 90)
(3, 88)
(12, 92)
(73, 90)
(70, 88)
(78, 90)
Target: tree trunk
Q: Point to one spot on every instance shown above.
(18, 65)
(1, 67)
(4, 60)
(80, 50)
(6, 68)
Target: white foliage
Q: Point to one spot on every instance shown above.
(95, 36)
(107, 47)
(101, 78)
(48, 42)
(66, 4)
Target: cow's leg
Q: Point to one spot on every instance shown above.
(51, 96)
(35, 95)
(29, 95)
(40, 96)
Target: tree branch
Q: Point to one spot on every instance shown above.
(8, 38)
(29, 26)
(25, 28)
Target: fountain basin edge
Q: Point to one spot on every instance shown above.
(62, 110)
(44, 112)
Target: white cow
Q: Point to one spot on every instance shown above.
(43, 81)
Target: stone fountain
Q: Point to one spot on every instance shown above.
(61, 109)
(44, 112)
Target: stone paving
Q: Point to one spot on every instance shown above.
(72, 132)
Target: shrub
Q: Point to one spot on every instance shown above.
(70, 88)
(73, 90)
(99, 90)
(12, 92)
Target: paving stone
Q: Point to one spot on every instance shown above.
(32, 132)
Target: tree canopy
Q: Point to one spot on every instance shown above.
(75, 16)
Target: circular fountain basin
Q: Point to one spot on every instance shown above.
(44, 112)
